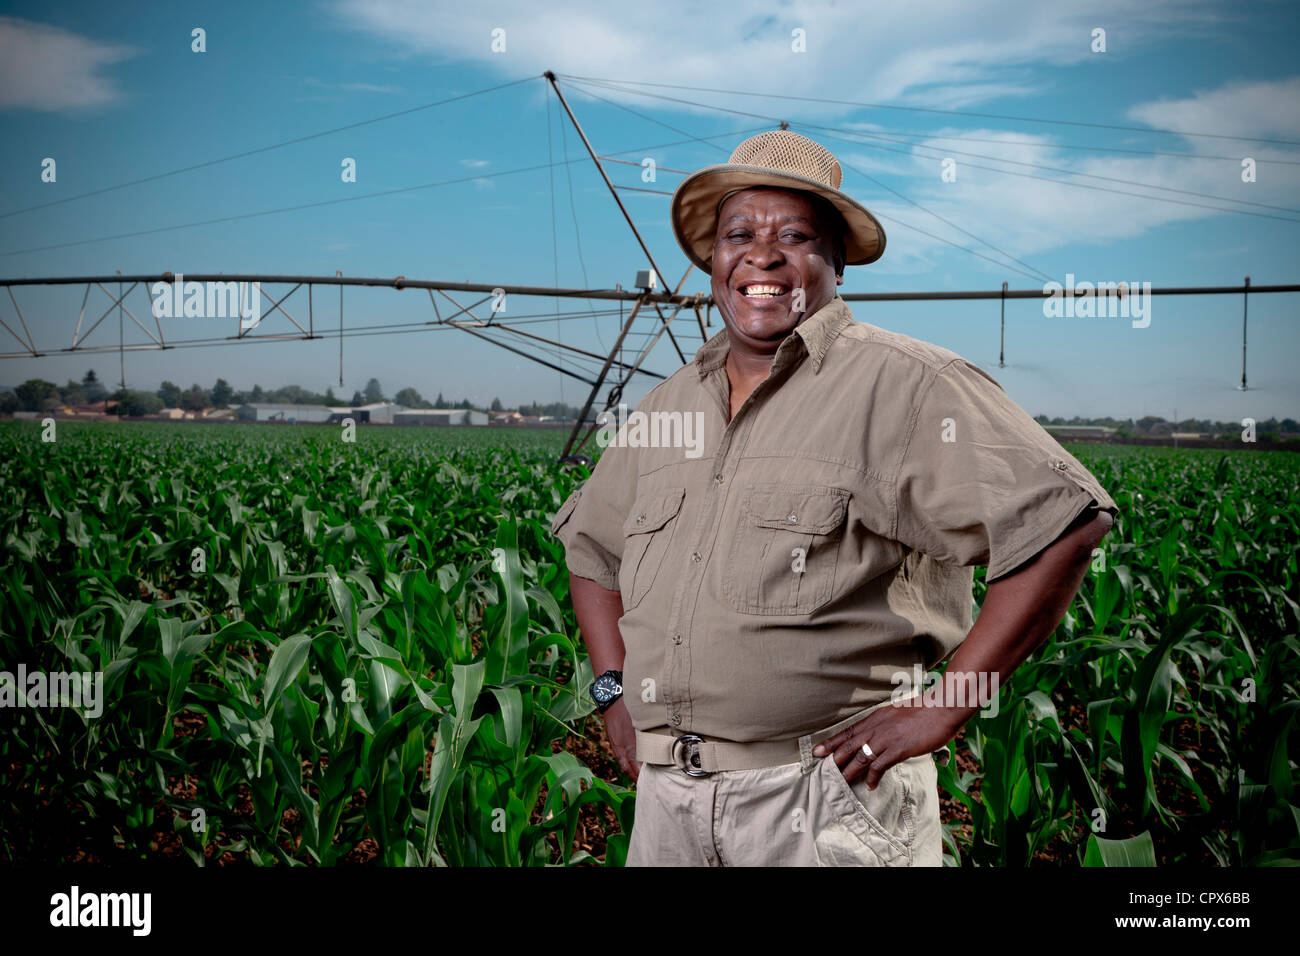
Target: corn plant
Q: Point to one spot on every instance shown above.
(1157, 722)
(321, 653)
(313, 652)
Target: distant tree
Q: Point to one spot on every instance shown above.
(194, 400)
(170, 393)
(410, 398)
(256, 395)
(9, 403)
(72, 393)
(94, 389)
(357, 399)
(496, 405)
(221, 393)
(36, 394)
(330, 398)
(295, 395)
(135, 404)
(374, 392)
(440, 402)
(144, 403)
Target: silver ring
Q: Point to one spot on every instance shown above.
(866, 749)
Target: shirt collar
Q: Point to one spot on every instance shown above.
(815, 333)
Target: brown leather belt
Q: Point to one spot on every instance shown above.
(700, 757)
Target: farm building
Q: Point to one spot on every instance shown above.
(1071, 432)
(375, 412)
(282, 412)
(441, 416)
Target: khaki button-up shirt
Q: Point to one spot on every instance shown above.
(779, 569)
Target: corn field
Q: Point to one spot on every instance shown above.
(325, 653)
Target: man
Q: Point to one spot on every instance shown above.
(762, 602)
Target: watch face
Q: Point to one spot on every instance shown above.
(605, 688)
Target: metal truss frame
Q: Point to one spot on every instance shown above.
(615, 372)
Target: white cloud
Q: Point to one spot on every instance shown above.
(1032, 218)
(1269, 108)
(940, 53)
(48, 68)
(937, 55)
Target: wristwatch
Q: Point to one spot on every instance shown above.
(606, 689)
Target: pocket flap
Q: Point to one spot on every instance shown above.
(652, 510)
(566, 509)
(812, 511)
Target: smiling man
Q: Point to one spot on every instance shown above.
(765, 603)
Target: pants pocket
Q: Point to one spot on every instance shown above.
(881, 820)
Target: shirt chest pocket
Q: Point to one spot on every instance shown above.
(647, 532)
(786, 548)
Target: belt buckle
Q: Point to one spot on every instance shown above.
(690, 762)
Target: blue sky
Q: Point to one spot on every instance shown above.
(115, 94)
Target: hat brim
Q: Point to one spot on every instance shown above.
(695, 211)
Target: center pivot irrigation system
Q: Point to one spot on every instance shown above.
(606, 375)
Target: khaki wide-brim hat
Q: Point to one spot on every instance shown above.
(777, 158)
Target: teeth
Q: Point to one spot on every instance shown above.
(762, 291)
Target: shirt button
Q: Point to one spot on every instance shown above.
(677, 638)
(1061, 465)
(677, 719)
(718, 477)
(696, 557)
(792, 518)
(640, 518)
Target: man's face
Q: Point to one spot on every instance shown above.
(771, 237)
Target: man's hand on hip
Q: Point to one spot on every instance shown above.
(894, 733)
(1020, 611)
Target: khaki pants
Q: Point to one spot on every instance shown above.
(798, 814)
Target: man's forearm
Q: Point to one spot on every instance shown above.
(1022, 609)
(598, 611)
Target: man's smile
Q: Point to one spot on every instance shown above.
(764, 290)
(767, 295)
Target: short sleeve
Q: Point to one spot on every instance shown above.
(980, 482)
(590, 522)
